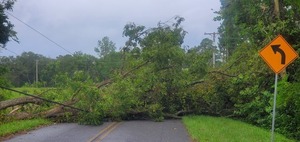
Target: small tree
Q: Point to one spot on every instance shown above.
(105, 46)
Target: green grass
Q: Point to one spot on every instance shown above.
(31, 90)
(21, 125)
(218, 129)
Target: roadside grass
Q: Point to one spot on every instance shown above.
(218, 129)
(31, 90)
(21, 125)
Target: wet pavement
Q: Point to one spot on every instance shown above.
(126, 131)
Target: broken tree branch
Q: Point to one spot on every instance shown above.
(108, 81)
(19, 101)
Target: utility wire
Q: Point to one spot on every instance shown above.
(26, 94)
(39, 33)
(11, 51)
(169, 21)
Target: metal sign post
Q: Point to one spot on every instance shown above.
(278, 54)
(274, 107)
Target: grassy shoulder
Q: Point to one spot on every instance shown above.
(21, 125)
(218, 129)
(6, 95)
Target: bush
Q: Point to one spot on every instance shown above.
(288, 112)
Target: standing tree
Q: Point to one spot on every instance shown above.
(246, 27)
(110, 60)
(105, 46)
(6, 27)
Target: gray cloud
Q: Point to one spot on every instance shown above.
(77, 25)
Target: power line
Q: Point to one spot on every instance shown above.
(213, 35)
(39, 33)
(11, 51)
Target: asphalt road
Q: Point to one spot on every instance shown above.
(126, 131)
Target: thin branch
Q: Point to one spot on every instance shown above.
(194, 83)
(219, 72)
(237, 60)
(108, 81)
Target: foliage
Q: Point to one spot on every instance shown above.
(155, 112)
(6, 27)
(255, 22)
(162, 75)
(3, 80)
(21, 70)
(152, 76)
(107, 65)
(206, 128)
(80, 89)
(246, 27)
(105, 46)
(119, 99)
(69, 64)
(288, 104)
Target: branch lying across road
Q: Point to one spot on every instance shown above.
(42, 99)
(19, 101)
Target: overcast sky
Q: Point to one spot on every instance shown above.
(77, 25)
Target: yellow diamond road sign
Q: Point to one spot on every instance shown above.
(278, 54)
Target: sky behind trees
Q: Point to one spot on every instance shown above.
(77, 25)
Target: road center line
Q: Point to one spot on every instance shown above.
(108, 132)
(103, 133)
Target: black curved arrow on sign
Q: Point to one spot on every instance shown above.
(276, 49)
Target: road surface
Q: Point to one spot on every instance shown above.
(126, 131)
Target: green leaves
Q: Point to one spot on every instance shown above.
(247, 27)
(6, 27)
(135, 34)
(105, 47)
(288, 106)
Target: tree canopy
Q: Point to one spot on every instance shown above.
(6, 27)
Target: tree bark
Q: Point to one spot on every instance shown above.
(57, 110)
(276, 9)
(19, 101)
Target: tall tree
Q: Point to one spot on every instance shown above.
(110, 60)
(6, 27)
(105, 46)
(246, 27)
(22, 69)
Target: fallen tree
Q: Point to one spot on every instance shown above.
(19, 101)
(20, 107)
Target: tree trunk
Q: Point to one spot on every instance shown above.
(276, 9)
(58, 110)
(19, 101)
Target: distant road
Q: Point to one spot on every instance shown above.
(126, 131)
